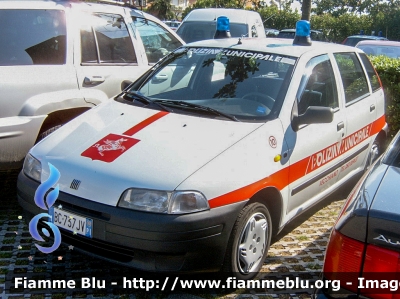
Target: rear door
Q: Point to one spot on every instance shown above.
(360, 110)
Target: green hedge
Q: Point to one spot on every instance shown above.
(389, 71)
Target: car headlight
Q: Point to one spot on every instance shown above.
(32, 167)
(177, 202)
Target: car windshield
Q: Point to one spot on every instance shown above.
(157, 41)
(195, 31)
(392, 155)
(246, 84)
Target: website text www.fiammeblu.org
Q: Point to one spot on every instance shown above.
(168, 284)
(174, 283)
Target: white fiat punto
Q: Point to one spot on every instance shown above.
(211, 152)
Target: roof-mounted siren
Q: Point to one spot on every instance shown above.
(223, 28)
(302, 37)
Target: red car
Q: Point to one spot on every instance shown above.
(380, 47)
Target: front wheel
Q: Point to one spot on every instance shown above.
(249, 242)
(47, 132)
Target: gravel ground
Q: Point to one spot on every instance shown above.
(298, 251)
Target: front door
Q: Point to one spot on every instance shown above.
(107, 55)
(314, 148)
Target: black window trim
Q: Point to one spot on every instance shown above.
(98, 49)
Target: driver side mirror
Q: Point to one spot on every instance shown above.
(313, 115)
(125, 84)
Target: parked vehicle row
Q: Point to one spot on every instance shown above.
(200, 24)
(354, 39)
(61, 58)
(316, 35)
(173, 24)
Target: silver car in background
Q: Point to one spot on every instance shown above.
(61, 58)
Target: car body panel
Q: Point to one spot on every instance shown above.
(369, 221)
(383, 219)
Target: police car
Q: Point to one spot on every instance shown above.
(211, 152)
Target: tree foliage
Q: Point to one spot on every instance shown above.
(339, 7)
(389, 72)
(215, 4)
(275, 18)
(161, 9)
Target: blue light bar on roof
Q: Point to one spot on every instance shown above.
(223, 28)
(302, 37)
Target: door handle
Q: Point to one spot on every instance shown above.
(371, 108)
(91, 80)
(340, 126)
(161, 77)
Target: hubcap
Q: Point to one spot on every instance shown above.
(252, 243)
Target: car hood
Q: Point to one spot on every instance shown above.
(117, 146)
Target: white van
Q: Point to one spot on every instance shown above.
(200, 24)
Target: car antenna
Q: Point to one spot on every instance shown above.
(128, 3)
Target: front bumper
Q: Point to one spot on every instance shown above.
(147, 241)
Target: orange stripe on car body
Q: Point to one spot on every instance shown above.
(145, 123)
(285, 176)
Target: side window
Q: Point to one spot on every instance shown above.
(372, 75)
(157, 41)
(353, 78)
(254, 31)
(105, 39)
(32, 36)
(318, 85)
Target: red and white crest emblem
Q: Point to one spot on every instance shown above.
(110, 147)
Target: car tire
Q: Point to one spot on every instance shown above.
(249, 242)
(47, 132)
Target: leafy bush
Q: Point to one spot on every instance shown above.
(389, 71)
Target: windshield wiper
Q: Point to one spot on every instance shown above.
(145, 100)
(183, 104)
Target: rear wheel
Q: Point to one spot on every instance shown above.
(249, 242)
(374, 153)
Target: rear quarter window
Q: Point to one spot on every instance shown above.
(372, 75)
(32, 36)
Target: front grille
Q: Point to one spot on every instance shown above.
(75, 184)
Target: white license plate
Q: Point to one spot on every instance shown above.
(74, 223)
